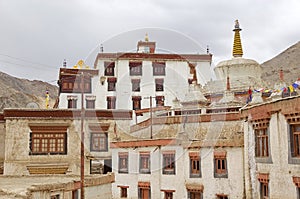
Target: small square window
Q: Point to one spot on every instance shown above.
(160, 100)
(109, 68)
(135, 68)
(159, 68)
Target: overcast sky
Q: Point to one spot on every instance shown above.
(37, 35)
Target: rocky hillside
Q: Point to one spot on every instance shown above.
(288, 61)
(17, 93)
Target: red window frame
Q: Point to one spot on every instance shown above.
(109, 68)
(111, 102)
(135, 68)
(159, 68)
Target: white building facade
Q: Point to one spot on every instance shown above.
(127, 80)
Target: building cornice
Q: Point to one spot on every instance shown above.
(153, 56)
(66, 113)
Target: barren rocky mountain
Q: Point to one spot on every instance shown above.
(288, 61)
(17, 93)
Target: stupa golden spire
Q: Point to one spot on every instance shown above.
(237, 50)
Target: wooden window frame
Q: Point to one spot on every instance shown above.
(90, 104)
(123, 163)
(159, 68)
(111, 84)
(159, 85)
(109, 68)
(145, 163)
(220, 164)
(195, 165)
(111, 102)
(136, 102)
(143, 188)
(48, 140)
(136, 87)
(192, 194)
(160, 100)
(295, 140)
(72, 84)
(123, 192)
(264, 190)
(72, 103)
(169, 163)
(222, 196)
(168, 194)
(135, 68)
(261, 143)
(99, 141)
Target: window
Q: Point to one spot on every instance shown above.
(295, 140)
(123, 191)
(263, 178)
(109, 68)
(169, 163)
(75, 194)
(220, 164)
(123, 162)
(261, 143)
(111, 86)
(99, 142)
(144, 162)
(159, 68)
(194, 164)
(56, 196)
(168, 194)
(46, 140)
(136, 102)
(135, 68)
(194, 194)
(111, 102)
(72, 101)
(144, 190)
(159, 84)
(90, 102)
(160, 100)
(264, 190)
(296, 181)
(72, 84)
(136, 85)
(222, 196)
